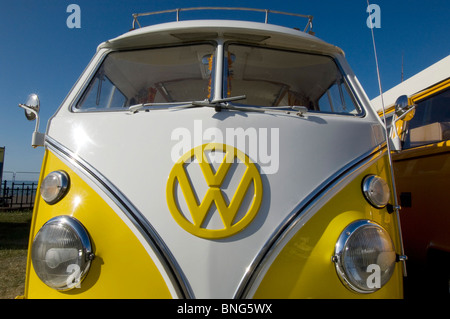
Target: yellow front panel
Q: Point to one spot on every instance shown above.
(304, 267)
(122, 267)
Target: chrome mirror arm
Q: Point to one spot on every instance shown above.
(402, 110)
(34, 111)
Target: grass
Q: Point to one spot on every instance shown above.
(14, 233)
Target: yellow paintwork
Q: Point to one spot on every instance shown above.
(214, 194)
(430, 91)
(122, 267)
(303, 268)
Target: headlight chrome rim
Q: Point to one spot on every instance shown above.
(370, 185)
(75, 272)
(62, 178)
(344, 274)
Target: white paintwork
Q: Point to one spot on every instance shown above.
(163, 33)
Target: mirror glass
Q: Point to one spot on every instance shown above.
(402, 107)
(32, 102)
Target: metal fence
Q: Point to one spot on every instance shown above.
(17, 195)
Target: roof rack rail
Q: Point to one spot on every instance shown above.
(309, 24)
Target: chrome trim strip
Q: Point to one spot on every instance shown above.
(219, 71)
(166, 258)
(258, 263)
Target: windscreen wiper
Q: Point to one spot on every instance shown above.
(146, 106)
(299, 110)
(205, 103)
(218, 105)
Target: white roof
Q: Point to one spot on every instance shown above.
(420, 81)
(182, 31)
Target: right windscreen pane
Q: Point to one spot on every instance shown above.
(271, 77)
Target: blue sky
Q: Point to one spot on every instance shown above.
(40, 54)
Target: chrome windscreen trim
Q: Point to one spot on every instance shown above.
(255, 268)
(166, 258)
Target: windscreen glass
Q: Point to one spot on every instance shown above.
(270, 78)
(162, 75)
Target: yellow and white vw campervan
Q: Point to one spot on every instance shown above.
(215, 159)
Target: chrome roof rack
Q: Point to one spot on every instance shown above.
(309, 24)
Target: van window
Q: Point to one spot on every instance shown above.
(337, 99)
(270, 77)
(162, 75)
(431, 121)
(102, 93)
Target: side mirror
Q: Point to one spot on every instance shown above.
(403, 112)
(31, 108)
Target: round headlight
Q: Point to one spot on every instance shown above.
(61, 253)
(376, 191)
(54, 186)
(364, 256)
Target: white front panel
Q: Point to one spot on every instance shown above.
(136, 152)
